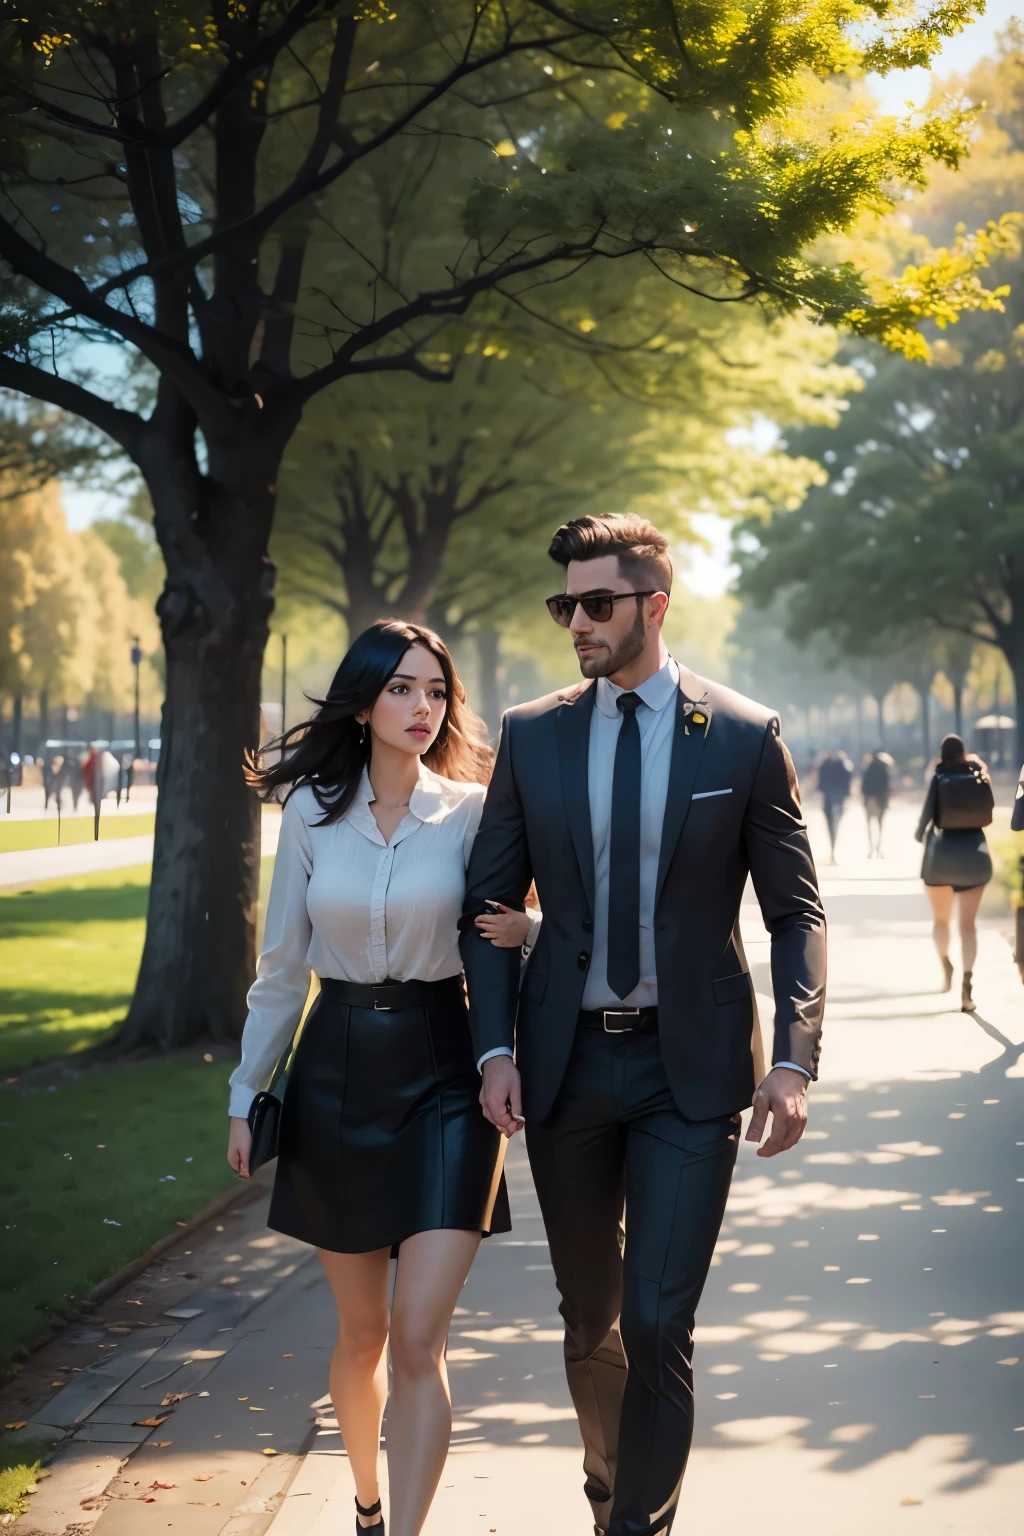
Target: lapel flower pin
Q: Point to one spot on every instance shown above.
(698, 714)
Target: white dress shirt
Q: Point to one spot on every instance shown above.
(346, 904)
(656, 718)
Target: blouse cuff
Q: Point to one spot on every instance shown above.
(240, 1100)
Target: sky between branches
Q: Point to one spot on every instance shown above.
(709, 570)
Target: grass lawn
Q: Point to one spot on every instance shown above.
(20, 1467)
(69, 952)
(17, 836)
(95, 1169)
(95, 1164)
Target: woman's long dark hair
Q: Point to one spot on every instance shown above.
(326, 751)
(953, 754)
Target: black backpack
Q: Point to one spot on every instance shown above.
(965, 799)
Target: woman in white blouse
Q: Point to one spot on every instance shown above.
(383, 1148)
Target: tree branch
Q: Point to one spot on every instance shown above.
(301, 187)
(124, 427)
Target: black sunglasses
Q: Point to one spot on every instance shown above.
(596, 606)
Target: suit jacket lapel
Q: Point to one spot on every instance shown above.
(573, 731)
(687, 751)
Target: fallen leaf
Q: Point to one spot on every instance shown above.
(254, 1409)
(243, 1399)
(146, 1498)
(118, 1328)
(910, 1501)
(175, 1397)
(268, 1452)
(204, 1394)
(203, 1477)
(287, 1357)
(156, 1484)
(18, 1424)
(58, 1383)
(205, 1503)
(217, 1437)
(150, 1423)
(159, 1445)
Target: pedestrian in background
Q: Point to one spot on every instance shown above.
(875, 786)
(835, 776)
(956, 862)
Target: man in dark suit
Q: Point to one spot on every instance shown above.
(639, 801)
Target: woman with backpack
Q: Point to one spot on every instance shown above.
(956, 863)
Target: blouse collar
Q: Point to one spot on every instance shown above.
(432, 800)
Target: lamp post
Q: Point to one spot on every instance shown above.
(136, 663)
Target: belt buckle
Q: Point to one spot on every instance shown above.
(380, 1007)
(620, 1013)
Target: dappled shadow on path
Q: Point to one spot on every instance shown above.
(862, 1298)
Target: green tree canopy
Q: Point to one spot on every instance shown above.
(920, 528)
(173, 177)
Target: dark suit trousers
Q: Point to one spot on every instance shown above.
(633, 1197)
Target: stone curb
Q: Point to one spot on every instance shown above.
(135, 1267)
(130, 1271)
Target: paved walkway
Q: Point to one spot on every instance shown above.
(858, 1352)
(35, 864)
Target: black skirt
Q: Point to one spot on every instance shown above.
(382, 1134)
(956, 856)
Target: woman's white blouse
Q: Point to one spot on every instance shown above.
(344, 903)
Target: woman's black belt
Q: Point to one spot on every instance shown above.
(390, 996)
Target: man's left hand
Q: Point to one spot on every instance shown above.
(784, 1093)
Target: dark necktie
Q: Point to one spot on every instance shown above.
(624, 851)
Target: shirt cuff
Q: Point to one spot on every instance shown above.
(536, 918)
(501, 1050)
(793, 1068)
(240, 1101)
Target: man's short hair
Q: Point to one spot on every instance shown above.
(641, 549)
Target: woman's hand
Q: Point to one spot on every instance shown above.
(507, 928)
(239, 1143)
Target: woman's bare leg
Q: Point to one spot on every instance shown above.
(432, 1269)
(968, 903)
(941, 898)
(359, 1366)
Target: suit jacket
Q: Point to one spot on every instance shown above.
(536, 826)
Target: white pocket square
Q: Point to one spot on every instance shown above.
(709, 794)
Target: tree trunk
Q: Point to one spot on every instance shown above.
(1015, 657)
(16, 721)
(488, 652)
(958, 706)
(925, 691)
(880, 705)
(44, 716)
(199, 955)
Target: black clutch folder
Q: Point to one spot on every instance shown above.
(265, 1116)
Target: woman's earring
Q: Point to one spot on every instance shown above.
(362, 734)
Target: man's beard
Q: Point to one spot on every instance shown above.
(608, 661)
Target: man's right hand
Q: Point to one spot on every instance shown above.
(501, 1095)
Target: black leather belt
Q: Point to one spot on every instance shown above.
(620, 1021)
(390, 996)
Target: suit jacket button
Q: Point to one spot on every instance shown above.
(583, 959)
(588, 926)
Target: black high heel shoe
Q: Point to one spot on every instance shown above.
(377, 1527)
